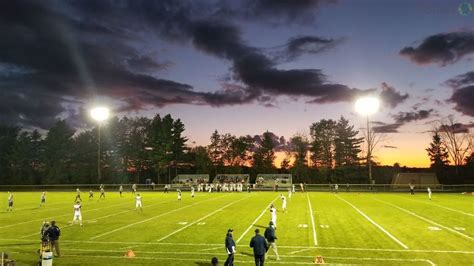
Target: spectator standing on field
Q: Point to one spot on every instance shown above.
(229, 248)
(260, 247)
(271, 238)
(53, 233)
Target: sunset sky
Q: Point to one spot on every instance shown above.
(242, 67)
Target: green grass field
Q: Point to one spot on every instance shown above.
(350, 228)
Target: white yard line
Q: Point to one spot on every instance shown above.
(256, 220)
(355, 259)
(101, 217)
(214, 248)
(312, 220)
(426, 220)
(245, 255)
(440, 206)
(374, 223)
(55, 217)
(34, 241)
(298, 251)
(149, 219)
(197, 221)
(186, 259)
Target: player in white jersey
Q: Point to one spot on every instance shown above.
(289, 193)
(273, 212)
(138, 201)
(192, 192)
(102, 192)
(78, 195)
(10, 201)
(429, 192)
(134, 188)
(43, 198)
(77, 213)
(283, 203)
(293, 188)
(91, 194)
(120, 190)
(179, 194)
(336, 188)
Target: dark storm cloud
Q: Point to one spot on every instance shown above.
(391, 97)
(272, 11)
(259, 72)
(57, 51)
(457, 128)
(406, 117)
(401, 119)
(387, 128)
(301, 45)
(390, 147)
(463, 93)
(442, 49)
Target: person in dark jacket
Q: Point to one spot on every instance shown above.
(53, 234)
(260, 247)
(229, 248)
(271, 238)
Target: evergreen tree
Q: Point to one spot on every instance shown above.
(322, 145)
(438, 153)
(346, 144)
(264, 155)
(57, 152)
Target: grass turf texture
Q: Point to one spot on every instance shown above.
(350, 228)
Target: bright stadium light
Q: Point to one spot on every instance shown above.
(99, 114)
(368, 106)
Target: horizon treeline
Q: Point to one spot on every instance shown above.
(139, 148)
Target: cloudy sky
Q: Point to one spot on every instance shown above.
(241, 67)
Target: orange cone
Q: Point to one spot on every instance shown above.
(319, 260)
(129, 254)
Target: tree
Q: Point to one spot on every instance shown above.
(322, 144)
(346, 144)
(456, 140)
(58, 146)
(202, 163)
(8, 141)
(437, 152)
(215, 152)
(264, 155)
(299, 149)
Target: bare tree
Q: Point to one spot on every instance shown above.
(455, 136)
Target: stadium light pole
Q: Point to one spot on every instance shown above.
(99, 114)
(367, 106)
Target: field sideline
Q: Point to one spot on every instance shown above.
(345, 228)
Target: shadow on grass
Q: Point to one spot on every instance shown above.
(260, 226)
(246, 254)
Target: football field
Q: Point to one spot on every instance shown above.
(344, 228)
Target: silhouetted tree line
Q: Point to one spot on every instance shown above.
(140, 148)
